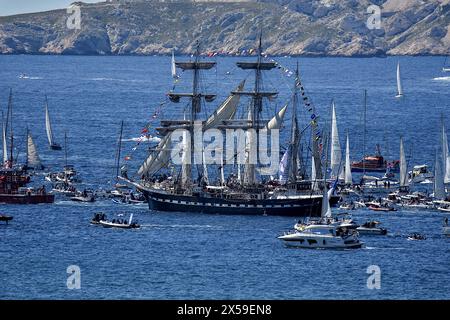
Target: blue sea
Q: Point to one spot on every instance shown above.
(195, 256)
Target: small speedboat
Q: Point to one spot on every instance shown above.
(416, 237)
(83, 198)
(371, 228)
(444, 208)
(381, 208)
(120, 223)
(109, 224)
(5, 218)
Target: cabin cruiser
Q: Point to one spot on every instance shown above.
(320, 236)
(420, 174)
(371, 228)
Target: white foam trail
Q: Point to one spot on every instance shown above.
(144, 139)
(441, 79)
(115, 80)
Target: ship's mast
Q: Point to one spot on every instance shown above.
(11, 156)
(364, 133)
(196, 98)
(295, 134)
(255, 109)
(119, 149)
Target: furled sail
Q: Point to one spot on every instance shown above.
(403, 166)
(336, 153)
(158, 159)
(226, 110)
(348, 169)
(33, 160)
(277, 121)
(439, 187)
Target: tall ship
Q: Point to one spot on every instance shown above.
(14, 179)
(245, 188)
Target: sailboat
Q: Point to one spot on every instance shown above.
(446, 67)
(48, 128)
(33, 161)
(399, 83)
(445, 154)
(187, 191)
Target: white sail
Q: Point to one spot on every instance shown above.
(336, 153)
(5, 144)
(326, 208)
(439, 187)
(445, 156)
(226, 110)
(399, 82)
(174, 67)
(48, 126)
(33, 160)
(131, 219)
(277, 121)
(159, 158)
(403, 166)
(348, 169)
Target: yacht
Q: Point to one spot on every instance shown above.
(320, 236)
(420, 174)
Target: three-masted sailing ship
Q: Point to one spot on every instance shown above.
(246, 192)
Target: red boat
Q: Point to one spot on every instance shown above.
(14, 190)
(375, 163)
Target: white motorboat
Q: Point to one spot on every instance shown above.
(420, 174)
(371, 228)
(444, 208)
(119, 223)
(323, 237)
(83, 198)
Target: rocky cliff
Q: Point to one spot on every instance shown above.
(290, 27)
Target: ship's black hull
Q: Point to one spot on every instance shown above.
(302, 207)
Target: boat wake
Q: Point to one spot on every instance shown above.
(29, 78)
(143, 139)
(441, 79)
(115, 80)
(179, 226)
